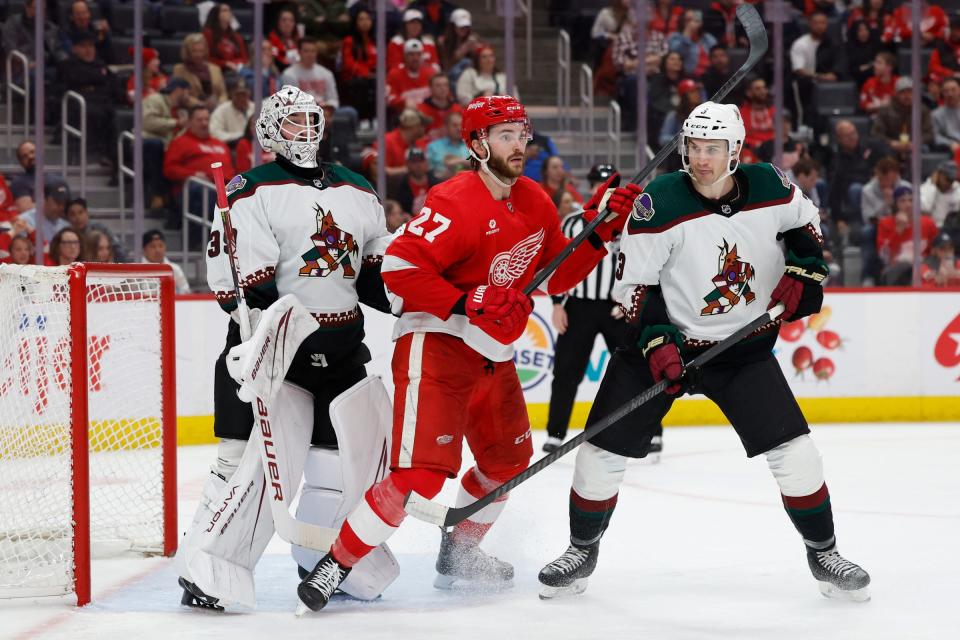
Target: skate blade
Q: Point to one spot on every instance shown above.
(456, 583)
(854, 595)
(573, 589)
(302, 610)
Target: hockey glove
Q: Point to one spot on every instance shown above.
(499, 312)
(660, 348)
(619, 205)
(800, 289)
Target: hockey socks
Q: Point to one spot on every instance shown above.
(812, 516)
(474, 486)
(589, 518)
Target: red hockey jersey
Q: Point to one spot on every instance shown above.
(462, 239)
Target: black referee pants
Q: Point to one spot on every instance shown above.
(585, 319)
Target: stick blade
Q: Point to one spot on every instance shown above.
(426, 510)
(752, 23)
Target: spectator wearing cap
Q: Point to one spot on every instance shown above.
(409, 84)
(411, 29)
(86, 74)
(941, 268)
(205, 78)
(78, 216)
(285, 38)
(21, 186)
(153, 78)
(893, 121)
(228, 122)
(692, 43)
(311, 77)
(227, 48)
(359, 65)
(55, 198)
(448, 155)
(190, 155)
(437, 14)
(483, 79)
(757, 114)
(409, 134)
(940, 193)
(895, 242)
(155, 252)
(878, 90)
(438, 105)
(412, 189)
(458, 43)
(81, 23)
(164, 113)
(946, 118)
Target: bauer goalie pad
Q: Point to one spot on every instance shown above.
(233, 524)
(260, 364)
(335, 481)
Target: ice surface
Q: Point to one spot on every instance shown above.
(699, 547)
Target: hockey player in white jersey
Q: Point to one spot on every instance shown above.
(316, 231)
(700, 257)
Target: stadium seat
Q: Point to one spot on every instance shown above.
(184, 19)
(245, 18)
(835, 98)
(169, 49)
(121, 49)
(124, 119)
(905, 60)
(121, 19)
(929, 162)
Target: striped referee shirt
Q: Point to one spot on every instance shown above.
(598, 284)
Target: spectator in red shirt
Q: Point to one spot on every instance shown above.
(554, 178)
(879, 89)
(19, 250)
(359, 65)
(945, 59)
(412, 29)
(227, 48)
(285, 38)
(941, 268)
(409, 84)
(190, 155)
(408, 134)
(895, 242)
(245, 148)
(8, 204)
(933, 24)
(438, 105)
(757, 114)
(665, 17)
(153, 78)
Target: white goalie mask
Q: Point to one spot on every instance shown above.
(291, 125)
(713, 121)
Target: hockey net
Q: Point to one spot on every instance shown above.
(87, 421)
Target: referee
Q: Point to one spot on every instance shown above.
(586, 310)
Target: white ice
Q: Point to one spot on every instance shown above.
(699, 547)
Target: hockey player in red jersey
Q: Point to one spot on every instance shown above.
(457, 272)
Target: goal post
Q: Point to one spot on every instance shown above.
(87, 421)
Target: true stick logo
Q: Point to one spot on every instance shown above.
(533, 356)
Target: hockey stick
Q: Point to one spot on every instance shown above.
(757, 35)
(440, 515)
(287, 527)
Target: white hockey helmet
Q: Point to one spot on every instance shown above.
(298, 142)
(714, 121)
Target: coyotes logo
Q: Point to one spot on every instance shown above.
(508, 266)
(332, 248)
(732, 283)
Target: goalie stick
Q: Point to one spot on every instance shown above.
(757, 36)
(287, 527)
(442, 516)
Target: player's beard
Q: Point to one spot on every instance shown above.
(502, 169)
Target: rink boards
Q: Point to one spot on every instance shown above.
(867, 357)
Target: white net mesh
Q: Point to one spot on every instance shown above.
(124, 395)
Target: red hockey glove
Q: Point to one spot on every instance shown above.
(499, 312)
(665, 362)
(619, 206)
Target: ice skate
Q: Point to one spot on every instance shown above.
(317, 588)
(552, 444)
(567, 575)
(837, 576)
(464, 564)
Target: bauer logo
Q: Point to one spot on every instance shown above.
(534, 352)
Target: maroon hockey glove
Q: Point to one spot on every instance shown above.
(665, 362)
(619, 206)
(788, 291)
(800, 289)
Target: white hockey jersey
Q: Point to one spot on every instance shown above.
(311, 235)
(716, 271)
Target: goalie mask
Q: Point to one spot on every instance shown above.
(713, 121)
(291, 125)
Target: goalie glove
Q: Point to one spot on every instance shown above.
(260, 364)
(800, 288)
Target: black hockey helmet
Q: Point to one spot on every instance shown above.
(600, 172)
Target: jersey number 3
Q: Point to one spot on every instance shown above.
(415, 226)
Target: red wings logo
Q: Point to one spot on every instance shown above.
(947, 349)
(511, 265)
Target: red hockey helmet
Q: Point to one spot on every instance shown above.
(486, 111)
